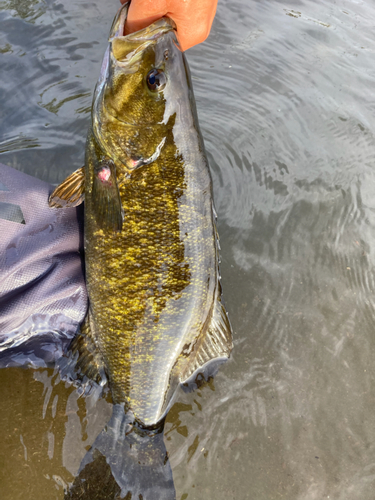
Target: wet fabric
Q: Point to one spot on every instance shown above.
(43, 297)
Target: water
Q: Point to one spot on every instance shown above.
(285, 99)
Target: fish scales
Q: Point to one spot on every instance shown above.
(151, 250)
(147, 283)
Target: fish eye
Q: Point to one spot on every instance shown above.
(156, 80)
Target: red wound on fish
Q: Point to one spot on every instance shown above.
(104, 174)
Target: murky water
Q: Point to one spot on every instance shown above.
(285, 98)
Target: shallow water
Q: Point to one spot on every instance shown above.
(285, 98)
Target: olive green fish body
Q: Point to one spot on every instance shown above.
(152, 284)
(151, 248)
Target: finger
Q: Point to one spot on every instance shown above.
(193, 18)
(142, 13)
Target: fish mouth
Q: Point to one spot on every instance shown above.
(128, 49)
(118, 26)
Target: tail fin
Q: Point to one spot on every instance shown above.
(124, 463)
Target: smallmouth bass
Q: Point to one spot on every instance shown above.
(155, 316)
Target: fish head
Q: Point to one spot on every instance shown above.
(132, 115)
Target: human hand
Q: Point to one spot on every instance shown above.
(193, 18)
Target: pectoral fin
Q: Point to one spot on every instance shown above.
(106, 198)
(214, 344)
(70, 192)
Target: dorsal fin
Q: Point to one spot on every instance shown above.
(70, 192)
(215, 344)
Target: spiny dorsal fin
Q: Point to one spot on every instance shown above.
(216, 343)
(106, 197)
(70, 192)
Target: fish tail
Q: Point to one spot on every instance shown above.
(125, 462)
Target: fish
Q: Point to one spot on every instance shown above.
(156, 319)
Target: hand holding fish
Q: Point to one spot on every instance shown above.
(193, 18)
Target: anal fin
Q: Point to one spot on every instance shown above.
(214, 344)
(71, 192)
(89, 362)
(83, 360)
